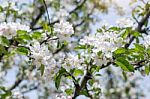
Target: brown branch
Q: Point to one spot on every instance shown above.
(78, 88)
(17, 82)
(31, 89)
(34, 21)
(140, 64)
(139, 27)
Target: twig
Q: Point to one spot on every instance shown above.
(52, 23)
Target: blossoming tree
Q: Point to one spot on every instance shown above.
(51, 47)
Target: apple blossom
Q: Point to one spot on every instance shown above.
(64, 30)
(9, 30)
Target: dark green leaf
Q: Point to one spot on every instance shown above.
(69, 91)
(2, 50)
(4, 41)
(22, 50)
(147, 69)
(58, 76)
(42, 68)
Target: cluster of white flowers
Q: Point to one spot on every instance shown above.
(41, 54)
(9, 30)
(106, 42)
(125, 22)
(63, 29)
(147, 41)
(72, 61)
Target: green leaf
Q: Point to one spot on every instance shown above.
(2, 50)
(58, 76)
(42, 68)
(125, 34)
(135, 33)
(115, 28)
(124, 64)
(120, 51)
(139, 47)
(22, 50)
(80, 47)
(124, 75)
(91, 82)
(69, 91)
(147, 69)
(78, 72)
(148, 51)
(5, 94)
(2, 88)
(99, 30)
(65, 43)
(25, 37)
(4, 41)
(22, 32)
(46, 27)
(36, 35)
(84, 92)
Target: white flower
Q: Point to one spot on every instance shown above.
(40, 53)
(72, 61)
(147, 41)
(88, 40)
(125, 22)
(10, 29)
(63, 29)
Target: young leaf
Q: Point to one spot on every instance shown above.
(124, 64)
(36, 35)
(78, 72)
(69, 91)
(61, 72)
(120, 51)
(147, 69)
(4, 41)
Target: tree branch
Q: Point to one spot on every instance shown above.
(34, 21)
(52, 23)
(139, 27)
